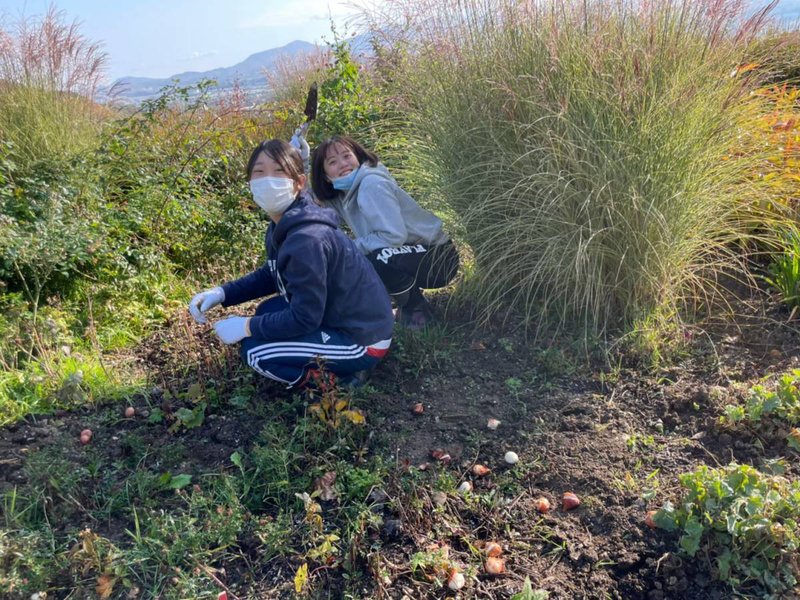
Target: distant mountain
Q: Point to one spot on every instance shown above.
(249, 73)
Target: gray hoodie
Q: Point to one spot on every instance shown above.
(382, 215)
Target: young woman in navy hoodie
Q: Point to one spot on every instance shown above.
(328, 304)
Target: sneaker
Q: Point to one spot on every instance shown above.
(416, 319)
(353, 381)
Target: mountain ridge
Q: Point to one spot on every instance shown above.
(247, 74)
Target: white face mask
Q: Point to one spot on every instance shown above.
(273, 194)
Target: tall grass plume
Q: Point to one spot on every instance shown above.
(49, 75)
(587, 148)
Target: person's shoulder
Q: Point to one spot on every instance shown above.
(377, 178)
(307, 231)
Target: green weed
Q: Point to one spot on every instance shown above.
(784, 271)
(528, 593)
(763, 406)
(745, 522)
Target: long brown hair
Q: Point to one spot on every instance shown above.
(282, 153)
(323, 189)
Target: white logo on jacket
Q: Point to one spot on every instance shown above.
(273, 268)
(325, 337)
(388, 253)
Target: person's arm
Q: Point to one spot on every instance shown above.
(253, 285)
(378, 204)
(305, 278)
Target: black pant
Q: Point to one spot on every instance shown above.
(406, 269)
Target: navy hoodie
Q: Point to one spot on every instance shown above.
(321, 274)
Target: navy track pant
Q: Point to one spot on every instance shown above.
(288, 360)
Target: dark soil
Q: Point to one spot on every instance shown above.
(577, 429)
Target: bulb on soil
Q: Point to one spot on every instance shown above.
(418, 408)
(511, 458)
(543, 505)
(480, 470)
(86, 436)
(495, 566)
(648, 520)
(570, 501)
(456, 580)
(493, 549)
(130, 412)
(492, 424)
(465, 487)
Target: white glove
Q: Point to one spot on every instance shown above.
(299, 141)
(233, 329)
(204, 301)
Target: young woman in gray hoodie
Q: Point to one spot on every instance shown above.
(404, 242)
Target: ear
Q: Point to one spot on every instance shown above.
(300, 184)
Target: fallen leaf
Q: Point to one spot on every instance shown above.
(105, 585)
(300, 578)
(324, 485)
(355, 416)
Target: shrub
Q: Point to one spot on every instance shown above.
(746, 522)
(586, 148)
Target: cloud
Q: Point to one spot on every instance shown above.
(198, 55)
(298, 12)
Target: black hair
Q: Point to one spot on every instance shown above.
(323, 189)
(283, 153)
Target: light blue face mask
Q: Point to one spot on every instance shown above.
(345, 183)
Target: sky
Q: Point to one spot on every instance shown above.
(160, 38)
